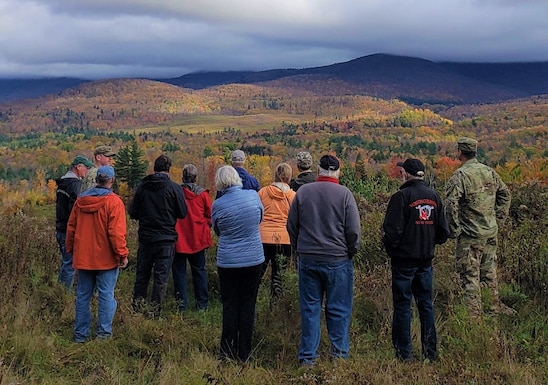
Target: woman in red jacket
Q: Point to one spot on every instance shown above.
(194, 237)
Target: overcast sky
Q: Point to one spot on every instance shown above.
(168, 38)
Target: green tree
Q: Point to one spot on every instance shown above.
(130, 164)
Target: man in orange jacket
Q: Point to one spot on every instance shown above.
(96, 236)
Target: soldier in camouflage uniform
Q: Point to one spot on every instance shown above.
(477, 201)
(102, 156)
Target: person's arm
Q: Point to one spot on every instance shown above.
(292, 224)
(454, 191)
(207, 207)
(442, 227)
(394, 222)
(503, 199)
(352, 229)
(117, 231)
(71, 230)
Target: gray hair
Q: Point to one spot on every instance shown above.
(416, 177)
(329, 173)
(190, 173)
(225, 177)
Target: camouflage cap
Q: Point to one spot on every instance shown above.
(467, 144)
(104, 150)
(304, 160)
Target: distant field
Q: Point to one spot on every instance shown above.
(215, 123)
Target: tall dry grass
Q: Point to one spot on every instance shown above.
(37, 314)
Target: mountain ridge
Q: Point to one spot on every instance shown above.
(411, 79)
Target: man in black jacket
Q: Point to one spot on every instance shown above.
(414, 223)
(69, 187)
(157, 204)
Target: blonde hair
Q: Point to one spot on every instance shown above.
(225, 177)
(283, 173)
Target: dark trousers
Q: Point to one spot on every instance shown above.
(409, 282)
(154, 257)
(239, 287)
(197, 262)
(278, 256)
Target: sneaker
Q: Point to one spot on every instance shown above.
(308, 364)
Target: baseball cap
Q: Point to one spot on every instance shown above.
(329, 162)
(80, 159)
(107, 171)
(467, 144)
(104, 150)
(412, 166)
(304, 159)
(238, 156)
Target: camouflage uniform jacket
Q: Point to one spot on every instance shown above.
(476, 199)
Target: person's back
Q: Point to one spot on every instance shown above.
(478, 201)
(157, 205)
(306, 175)
(413, 224)
(328, 220)
(419, 223)
(236, 217)
(249, 182)
(101, 212)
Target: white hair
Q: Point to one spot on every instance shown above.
(329, 173)
(227, 176)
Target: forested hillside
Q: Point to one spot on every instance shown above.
(271, 122)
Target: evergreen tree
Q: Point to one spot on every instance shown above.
(130, 164)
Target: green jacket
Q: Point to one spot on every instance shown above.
(476, 199)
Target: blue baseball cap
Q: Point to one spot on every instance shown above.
(107, 171)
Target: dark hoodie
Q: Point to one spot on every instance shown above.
(157, 204)
(303, 178)
(68, 188)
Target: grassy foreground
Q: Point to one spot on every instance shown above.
(37, 314)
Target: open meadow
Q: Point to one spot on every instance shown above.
(37, 314)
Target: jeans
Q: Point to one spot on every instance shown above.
(197, 263)
(279, 256)
(335, 282)
(408, 282)
(156, 256)
(239, 288)
(66, 272)
(105, 282)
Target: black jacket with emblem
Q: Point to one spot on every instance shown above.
(414, 223)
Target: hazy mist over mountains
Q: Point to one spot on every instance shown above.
(411, 79)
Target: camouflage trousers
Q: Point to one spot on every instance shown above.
(477, 267)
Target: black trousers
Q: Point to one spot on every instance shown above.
(239, 287)
(157, 257)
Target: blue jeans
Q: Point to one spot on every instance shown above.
(156, 256)
(409, 282)
(197, 263)
(66, 272)
(335, 282)
(105, 282)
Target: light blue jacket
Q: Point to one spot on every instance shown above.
(236, 216)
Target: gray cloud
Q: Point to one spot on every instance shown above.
(168, 38)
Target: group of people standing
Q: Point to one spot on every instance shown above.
(311, 218)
